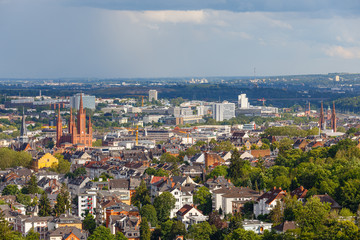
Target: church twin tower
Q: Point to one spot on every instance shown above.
(77, 132)
(332, 118)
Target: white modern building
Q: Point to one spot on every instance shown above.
(88, 101)
(223, 111)
(243, 101)
(86, 203)
(256, 226)
(153, 94)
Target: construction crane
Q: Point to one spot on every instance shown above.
(142, 98)
(263, 100)
(187, 133)
(137, 136)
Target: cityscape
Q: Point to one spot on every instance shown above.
(204, 120)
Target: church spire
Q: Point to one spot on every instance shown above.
(333, 118)
(23, 130)
(71, 121)
(322, 118)
(81, 105)
(58, 128)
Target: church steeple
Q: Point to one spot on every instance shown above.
(58, 128)
(322, 125)
(71, 122)
(81, 118)
(333, 118)
(23, 129)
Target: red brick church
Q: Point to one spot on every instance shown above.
(77, 132)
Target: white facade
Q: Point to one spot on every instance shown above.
(256, 226)
(243, 101)
(201, 110)
(153, 94)
(193, 216)
(23, 224)
(223, 111)
(86, 202)
(88, 101)
(261, 207)
(186, 111)
(152, 118)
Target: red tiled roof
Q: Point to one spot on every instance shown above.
(275, 193)
(157, 179)
(300, 192)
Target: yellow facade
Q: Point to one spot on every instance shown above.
(46, 161)
(77, 225)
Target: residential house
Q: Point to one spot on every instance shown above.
(80, 157)
(129, 225)
(217, 183)
(68, 233)
(267, 201)
(189, 215)
(45, 161)
(283, 227)
(300, 193)
(256, 226)
(76, 184)
(234, 200)
(23, 224)
(325, 198)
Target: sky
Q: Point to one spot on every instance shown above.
(177, 38)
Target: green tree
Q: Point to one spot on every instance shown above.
(202, 198)
(63, 165)
(242, 234)
(312, 216)
(101, 233)
(149, 212)
(201, 231)
(63, 202)
(236, 164)
(291, 205)
(10, 189)
(120, 236)
(350, 194)
(44, 206)
(141, 196)
(219, 171)
(6, 232)
(176, 228)
(235, 221)
(276, 214)
(31, 186)
(168, 158)
(32, 235)
(145, 233)
(23, 199)
(163, 204)
(89, 223)
(10, 158)
(97, 143)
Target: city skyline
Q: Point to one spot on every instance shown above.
(53, 39)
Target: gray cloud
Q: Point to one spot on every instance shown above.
(230, 5)
(47, 38)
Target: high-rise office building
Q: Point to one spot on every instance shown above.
(243, 101)
(223, 111)
(88, 101)
(153, 94)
